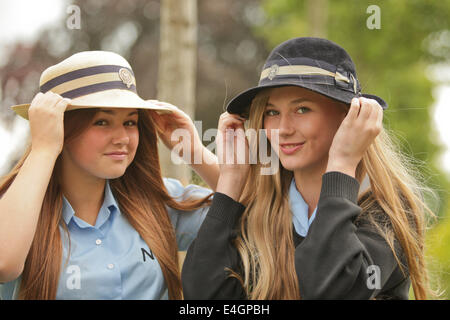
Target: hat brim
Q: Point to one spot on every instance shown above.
(115, 98)
(241, 103)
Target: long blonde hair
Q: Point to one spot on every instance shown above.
(394, 204)
(142, 198)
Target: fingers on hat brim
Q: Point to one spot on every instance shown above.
(382, 103)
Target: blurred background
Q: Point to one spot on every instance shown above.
(198, 54)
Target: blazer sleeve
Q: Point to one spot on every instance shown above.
(337, 260)
(205, 275)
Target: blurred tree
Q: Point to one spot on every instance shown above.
(317, 17)
(235, 37)
(391, 62)
(228, 54)
(19, 79)
(177, 68)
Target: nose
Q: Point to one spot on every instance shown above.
(120, 136)
(287, 126)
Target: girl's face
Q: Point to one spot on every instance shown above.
(307, 123)
(107, 147)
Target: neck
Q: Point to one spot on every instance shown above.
(84, 193)
(309, 183)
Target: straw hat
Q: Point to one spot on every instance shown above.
(92, 79)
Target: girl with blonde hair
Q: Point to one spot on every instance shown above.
(85, 213)
(308, 231)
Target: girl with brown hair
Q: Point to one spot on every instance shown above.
(308, 231)
(85, 213)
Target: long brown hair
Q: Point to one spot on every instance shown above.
(142, 198)
(394, 204)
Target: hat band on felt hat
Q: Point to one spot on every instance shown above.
(305, 70)
(90, 80)
(315, 64)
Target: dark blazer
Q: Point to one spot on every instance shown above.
(341, 257)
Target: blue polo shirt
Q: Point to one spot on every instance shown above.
(299, 210)
(110, 260)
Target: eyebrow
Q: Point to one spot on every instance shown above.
(114, 112)
(291, 102)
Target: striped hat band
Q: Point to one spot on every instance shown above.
(90, 80)
(309, 71)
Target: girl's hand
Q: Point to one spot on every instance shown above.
(356, 133)
(167, 123)
(203, 161)
(233, 155)
(46, 116)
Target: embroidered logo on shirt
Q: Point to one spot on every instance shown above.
(145, 252)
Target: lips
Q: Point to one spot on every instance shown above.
(291, 148)
(117, 155)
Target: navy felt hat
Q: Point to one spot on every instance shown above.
(316, 64)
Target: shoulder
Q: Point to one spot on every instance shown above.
(173, 186)
(191, 219)
(180, 192)
(186, 223)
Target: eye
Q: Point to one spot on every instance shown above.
(303, 110)
(100, 123)
(270, 112)
(130, 123)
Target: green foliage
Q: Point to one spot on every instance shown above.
(391, 62)
(438, 256)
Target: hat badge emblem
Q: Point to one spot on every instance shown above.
(273, 71)
(126, 76)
